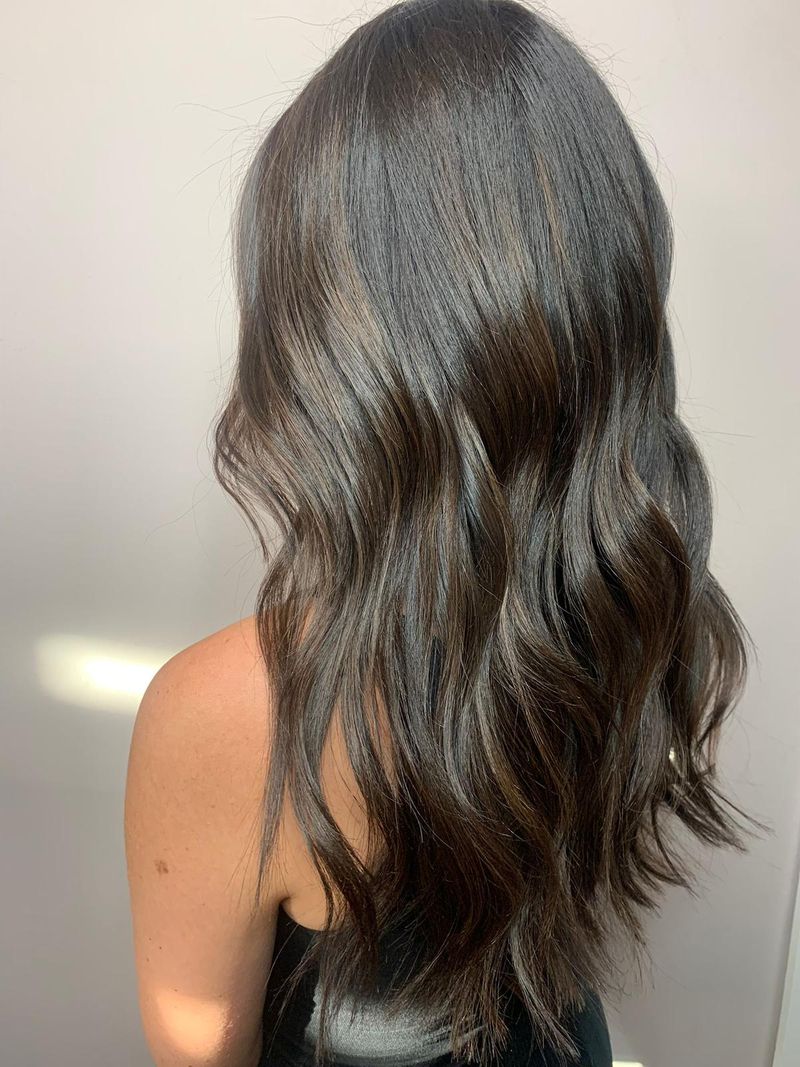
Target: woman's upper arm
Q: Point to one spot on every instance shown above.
(192, 820)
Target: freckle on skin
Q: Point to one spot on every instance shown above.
(161, 867)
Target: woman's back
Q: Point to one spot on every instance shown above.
(456, 402)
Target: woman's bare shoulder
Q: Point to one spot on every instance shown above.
(225, 674)
(198, 756)
(209, 707)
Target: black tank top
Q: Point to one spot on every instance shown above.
(374, 1041)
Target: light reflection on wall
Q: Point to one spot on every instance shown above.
(96, 674)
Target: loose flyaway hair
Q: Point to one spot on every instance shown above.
(455, 399)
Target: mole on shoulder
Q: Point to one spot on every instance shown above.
(161, 867)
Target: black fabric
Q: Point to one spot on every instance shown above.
(287, 1045)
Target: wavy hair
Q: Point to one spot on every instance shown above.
(455, 398)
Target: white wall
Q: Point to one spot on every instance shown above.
(124, 127)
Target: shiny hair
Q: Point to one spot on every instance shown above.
(455, 398)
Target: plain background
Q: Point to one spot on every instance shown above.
(124, 130)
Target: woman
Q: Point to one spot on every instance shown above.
(404, 813)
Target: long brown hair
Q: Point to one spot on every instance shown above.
(456, 399)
